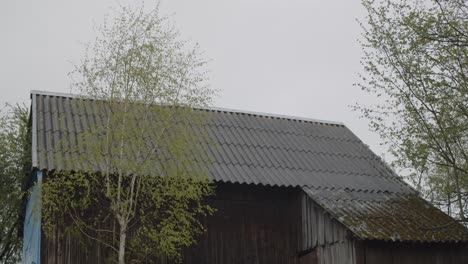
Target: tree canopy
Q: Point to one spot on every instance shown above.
(15, 164)
(415, 61)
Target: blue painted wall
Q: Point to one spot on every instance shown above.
(32, 224)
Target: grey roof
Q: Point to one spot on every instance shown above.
(388, 216)
(324, 158)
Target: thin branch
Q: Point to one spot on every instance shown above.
(91, 237)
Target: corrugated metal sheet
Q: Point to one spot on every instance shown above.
(327, 159)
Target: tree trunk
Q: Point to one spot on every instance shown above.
(459, 197)
(122, 240)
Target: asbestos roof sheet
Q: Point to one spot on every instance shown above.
(324, 158)
(388, 216)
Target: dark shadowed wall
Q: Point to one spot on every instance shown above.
(252, 225)
(411, 253)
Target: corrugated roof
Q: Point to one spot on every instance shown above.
(324, 158)
(388, 216)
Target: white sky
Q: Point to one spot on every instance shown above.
(290, 57)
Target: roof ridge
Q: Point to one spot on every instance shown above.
(214, 109)
(276, 116)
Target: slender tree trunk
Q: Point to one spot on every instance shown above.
(459, 197)
(122, 240)
(449, 204)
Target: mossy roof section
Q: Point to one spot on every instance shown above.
(388, 216)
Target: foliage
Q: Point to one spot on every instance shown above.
(415, 61)
(138, 187)
(14, 167)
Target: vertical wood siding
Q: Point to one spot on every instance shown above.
(270, 225)
(252, 225)
(60, 248)
(323, 237)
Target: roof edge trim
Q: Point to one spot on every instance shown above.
(58, 94)
(219, 109)
(34, 132)
(265, 114)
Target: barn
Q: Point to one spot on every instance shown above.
(289, 191)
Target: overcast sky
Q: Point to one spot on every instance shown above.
(290, 57)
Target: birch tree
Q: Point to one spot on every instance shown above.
(415, 61)
(140, 190)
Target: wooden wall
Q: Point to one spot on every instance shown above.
(412, 253)
(272, 225)
(324, 240)
(252, 225)
(65, 249)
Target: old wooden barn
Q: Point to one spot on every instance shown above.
(289, 191)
